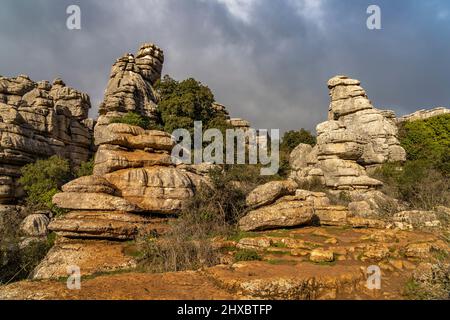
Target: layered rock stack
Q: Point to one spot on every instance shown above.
(39, 120)
(134, 178)
(130, 87)
(356, 137)
(135, 188)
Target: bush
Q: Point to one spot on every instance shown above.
(212, 212)
(417, 183)
(182, 103)
(42, 180)
(428, 140)
(292, 139)
(246, 255)
(135, 119)
(85, 169)
(18, 262)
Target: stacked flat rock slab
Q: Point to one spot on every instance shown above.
(280, 204)
(39, 120)
(356, 137)
(135, 188)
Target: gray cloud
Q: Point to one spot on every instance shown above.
(268, 61)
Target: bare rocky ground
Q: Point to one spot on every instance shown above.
(286, 271)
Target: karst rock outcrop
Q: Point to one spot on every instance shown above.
(355, 138)
(39, 120)
(423, 114)
(135, 188)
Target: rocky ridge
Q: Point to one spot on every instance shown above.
(39, 120)
(423, 114)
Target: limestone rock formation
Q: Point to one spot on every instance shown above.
(423, 114)
(356, 137)
(134, 181)
(130, 87)
(283, 214)
(269, 192)
(35, 225)
(39, 120)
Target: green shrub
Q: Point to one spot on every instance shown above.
(182, 103)
(16, 261)
(42, 180)
(289, 142)
(246, 255)
(416, 182)
(133, 119)
(85, 169)
(429, 141)
(292, 139)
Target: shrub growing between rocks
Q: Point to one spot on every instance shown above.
(429, 141)
(212, 213)
(18, 261)
(416, 183)
(182, 103)
(292, 139)
(85, 169)
(42, 180)
(135, 119)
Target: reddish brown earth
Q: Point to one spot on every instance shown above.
(285, 271)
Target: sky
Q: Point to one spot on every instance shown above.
(268, 61)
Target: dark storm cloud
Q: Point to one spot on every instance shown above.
(268, 61)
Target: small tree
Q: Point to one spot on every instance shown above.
(85, 169)
(182, 103)
(42, 180)
(428, 140)
(292, 139)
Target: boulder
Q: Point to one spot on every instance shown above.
(355, 137)
(35, 225)
(283, 214)
(269, 192)
(331, 215)
(90, 256)
(299, 156)
(321, 255)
